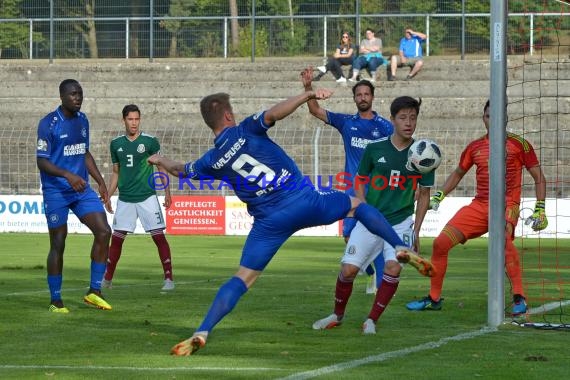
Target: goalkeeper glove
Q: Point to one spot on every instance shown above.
(435, 200)
(537, 220)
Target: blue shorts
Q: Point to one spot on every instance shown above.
(57, 206)
(268, 233)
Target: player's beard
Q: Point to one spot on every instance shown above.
(364, 106)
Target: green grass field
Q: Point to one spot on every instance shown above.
(268, 335)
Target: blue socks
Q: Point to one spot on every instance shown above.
(54, 284)
(376, 223)
(55, 281)
(226, 299)
(379, 266)
(97, 272)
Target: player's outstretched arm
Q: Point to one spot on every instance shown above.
(171, 166)
(450, 184)
(314, 108)
(453, 180)
(288, 106)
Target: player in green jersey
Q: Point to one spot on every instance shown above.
(137, 198)
(391, 189)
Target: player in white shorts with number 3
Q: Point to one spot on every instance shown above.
(148, 212)
(137, 182)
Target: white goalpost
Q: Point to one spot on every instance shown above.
(530, 96)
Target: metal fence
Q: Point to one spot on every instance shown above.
(451, 34)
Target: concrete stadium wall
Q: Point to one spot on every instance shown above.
(453, 93)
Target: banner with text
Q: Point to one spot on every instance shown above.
(196, 215)
(218, 215)
(238, 221)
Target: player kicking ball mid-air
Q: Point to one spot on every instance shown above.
(264, 177)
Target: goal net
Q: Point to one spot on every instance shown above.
(538, 108)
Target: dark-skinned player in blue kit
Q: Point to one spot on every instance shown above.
(65, 164)
(264, 177)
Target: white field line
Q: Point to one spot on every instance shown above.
(137, 369)
(547, 307)
(387, 355)
(301, 375)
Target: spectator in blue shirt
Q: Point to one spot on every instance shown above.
(410, 54)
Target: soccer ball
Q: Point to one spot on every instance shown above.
(423, 156)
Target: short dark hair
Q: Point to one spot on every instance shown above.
(487, 105)
(405, 102)
(363, 82)
(65, 83)
(211, 108)
(130, 108)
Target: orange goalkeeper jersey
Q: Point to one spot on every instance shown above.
(519, 154)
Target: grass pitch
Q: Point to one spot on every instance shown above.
(268, 335)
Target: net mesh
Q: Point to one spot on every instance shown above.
(539, 110)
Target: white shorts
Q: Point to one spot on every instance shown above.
(148, 212)
(363, 246)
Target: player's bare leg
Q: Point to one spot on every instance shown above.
(191, 345)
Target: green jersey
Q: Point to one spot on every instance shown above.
(134, 170)
(392, 187)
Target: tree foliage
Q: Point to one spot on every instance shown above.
(286, 35)
(87, 29)
(14, 34)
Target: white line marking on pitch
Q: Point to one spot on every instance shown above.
(547, 307)
(149, 369)
(387, 355)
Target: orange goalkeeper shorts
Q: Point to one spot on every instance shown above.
(473, 220)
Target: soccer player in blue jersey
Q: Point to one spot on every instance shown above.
(264, 177)
(65, 164)
(357, 131)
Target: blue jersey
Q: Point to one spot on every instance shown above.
(412, 48)
(253, 165)
(64, 142)
(356, 134)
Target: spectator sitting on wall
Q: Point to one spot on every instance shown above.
(370, 56)
(343, 55)
(410, 54)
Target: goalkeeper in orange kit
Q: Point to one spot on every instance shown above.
(472, 221)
